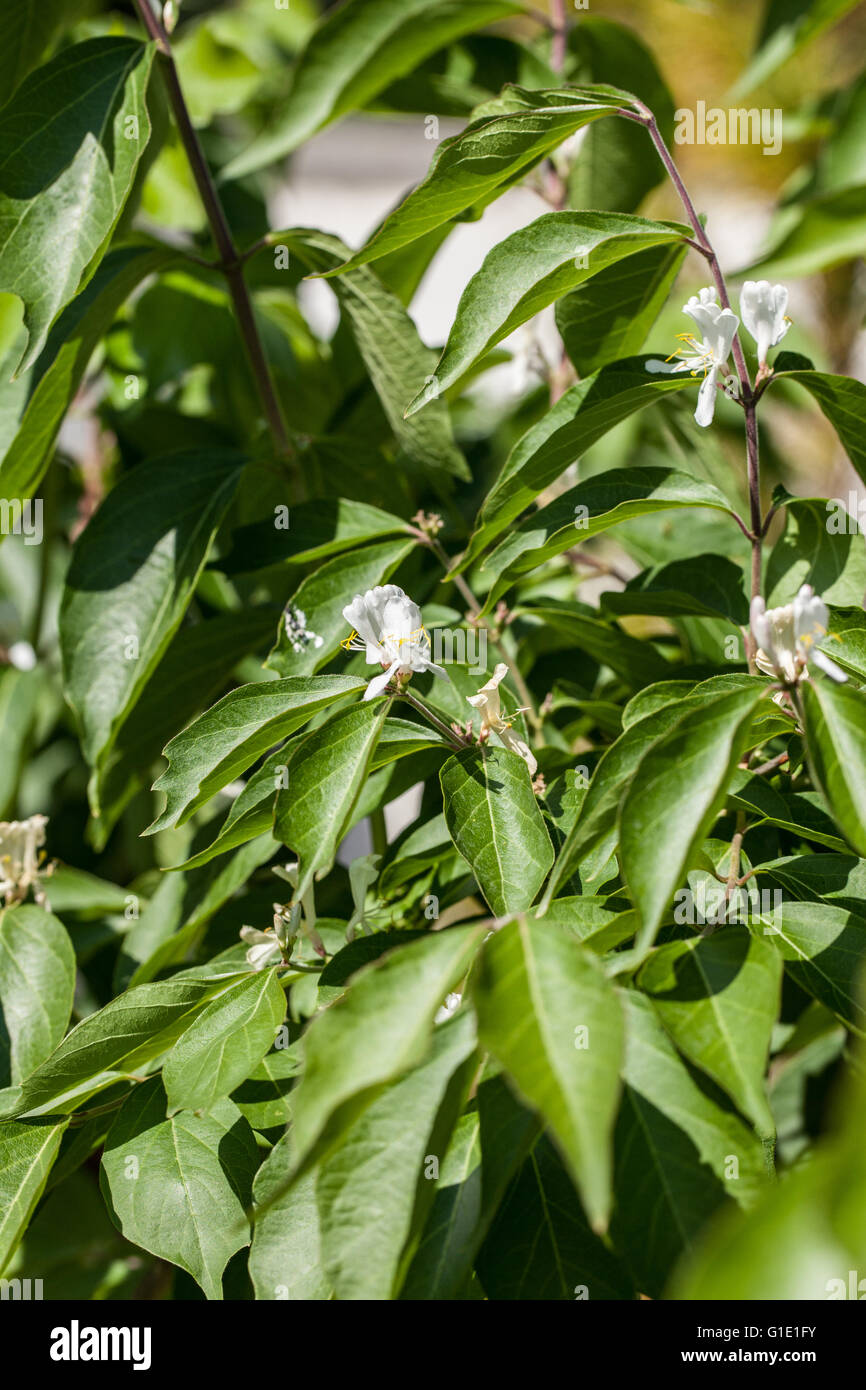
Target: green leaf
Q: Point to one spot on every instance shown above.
(263, 1097)
(804, 1242)
(444, 1258)
(375, 1032)
(28, 1148)
(637, 662)
(540, 1246)
(352, 56)
(507, 137)
(326, 772)
(184, 1199)
(493, 818)
(225, 1043)
(678, 1154)
(674, 797)
(547, 1013)
(843, 401)
(250, 814)
(174, 919)
(609, 316)
(396, 360)
(587, 510)
(585, 413)
(841, 878)
(846, 642)
(710, 586)
(788, 26)
(122, 604)
(315, 530)
(60, 368)
(29, 28)
(597, 815)
(73, 134)
(230, 736)
(132, 1030)
(374, 1191)
(489, 1145)
(836, 751)
(718, 997)
(322, 597)
(194, 669)
(833, 562)
(37, 983)
(823, 947)
(531, 269)
(614, 168)
(285, 1260)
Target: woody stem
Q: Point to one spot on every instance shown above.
(747, 395)
(230, 260)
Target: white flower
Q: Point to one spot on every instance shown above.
(449, 1008)
(264, 947)
(20, 842)
(487, 701)
(296, 630)
(787, 637)
(22, 656)
(387, 626)
(706, 354)
(763, 306)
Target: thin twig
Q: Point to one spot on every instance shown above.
(746, 393)
(230, 262)
(769, 766)
(559, 47)
(432, 718)
(576, 556)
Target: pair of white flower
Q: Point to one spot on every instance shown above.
(388, 628)
(788, 637)
(762, 306)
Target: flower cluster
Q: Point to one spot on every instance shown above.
(787, 637)
(21, 860)
(762, 306)
(387, 627)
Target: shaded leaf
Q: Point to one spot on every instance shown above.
(122, 604)
(718, 997)
(226, 1041)
(493, 818)
(185, 1199)
(547, 1013)
(37, 983)
(73, 134)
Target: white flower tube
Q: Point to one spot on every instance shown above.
(492, 720)
(387, 627)
(763, 306)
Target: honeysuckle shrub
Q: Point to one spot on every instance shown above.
(434, 854)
